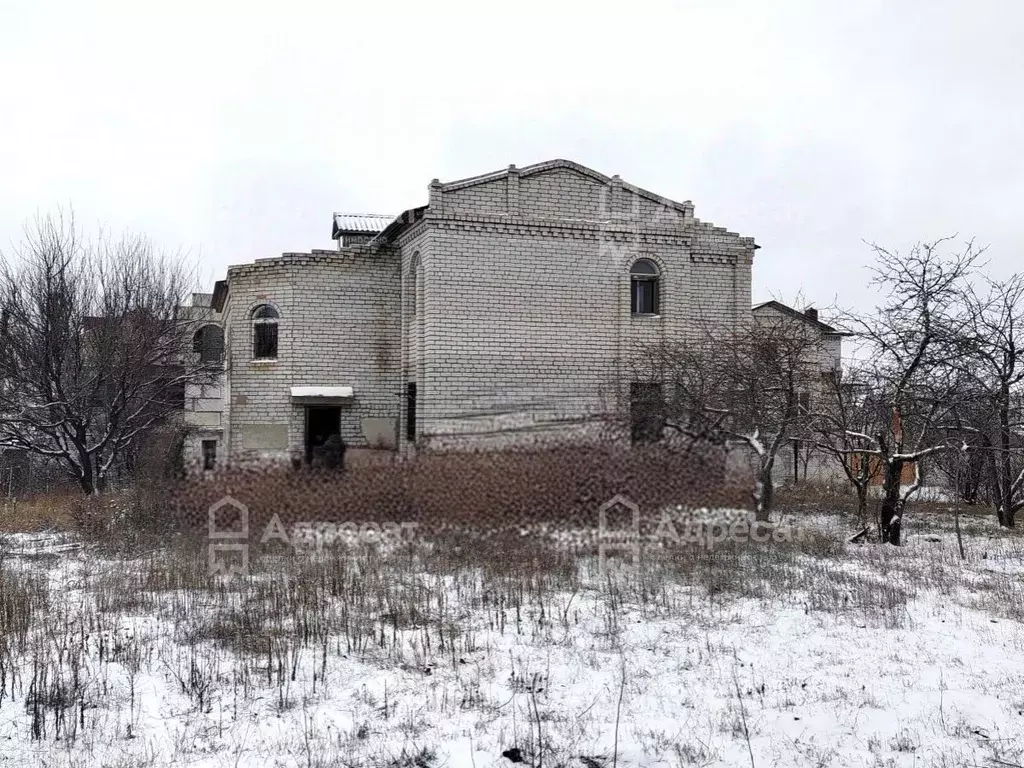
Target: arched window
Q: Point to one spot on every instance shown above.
(643, 287)
(208, 343)
(264, 332)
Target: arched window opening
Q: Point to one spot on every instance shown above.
(644, 288)
(208, 343)
(264, 332)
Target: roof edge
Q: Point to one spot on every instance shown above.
(548, 165)
(822, 326)
(220, 295)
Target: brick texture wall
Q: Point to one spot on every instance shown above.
(203, 414)
(339, 326)
(507, 304)
(526, 318)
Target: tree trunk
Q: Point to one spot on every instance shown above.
(765, 494)
(956, 516)
(1005, 470)
(86, 470)
(890, 516)
(995, 491)
(862, 502)
(85, 480)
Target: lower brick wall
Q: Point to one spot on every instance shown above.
(339, 326)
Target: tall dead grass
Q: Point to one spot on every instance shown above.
(485, 492)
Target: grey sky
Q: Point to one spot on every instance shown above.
(235, 133)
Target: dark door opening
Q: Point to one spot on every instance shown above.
(647, 408)
(209, 454)
(410, 411)
(324, 447)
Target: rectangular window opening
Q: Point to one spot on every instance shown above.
(644, 297)
(803, 403)
(264, 341)
(209, 454)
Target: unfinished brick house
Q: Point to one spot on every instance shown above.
(504, 308)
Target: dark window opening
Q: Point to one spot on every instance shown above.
(177, 395)
(643, 288)
(208, 343)
(172, 389)
(803, 403)
(264, 342)
(209, 454)
(410, 411)
(800, 405)
(324, 447)
(264, 332)
(647, 411)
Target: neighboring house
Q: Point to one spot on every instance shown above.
(204, 403)
(201, 405)
(798, 461)
(504, 309)
(121, 404)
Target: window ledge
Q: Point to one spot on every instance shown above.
(644, 316)
(264, 361)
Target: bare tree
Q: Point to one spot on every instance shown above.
(908, 343)
(747, 387)
(848, 413)
(972, 469)
(991, 344)
(94, 347)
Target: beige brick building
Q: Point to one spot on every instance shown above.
(799, 461)
(505, 307)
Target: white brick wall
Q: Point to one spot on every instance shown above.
(339, 326)
(527, 317)
(520, 312)
(204, 404)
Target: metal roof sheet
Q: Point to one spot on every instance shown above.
(361, 222)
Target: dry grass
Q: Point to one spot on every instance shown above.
(427, 603)
(492, 560)
(487, 491)
(43, 512)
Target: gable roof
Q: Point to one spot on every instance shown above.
(685, 206)
(408, 218)
(779, 306)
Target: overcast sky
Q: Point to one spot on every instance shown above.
(235, 133)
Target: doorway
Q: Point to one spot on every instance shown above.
(323, 436)
(410, 411)
(646, 409)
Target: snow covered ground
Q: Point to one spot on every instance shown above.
(471, 653)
